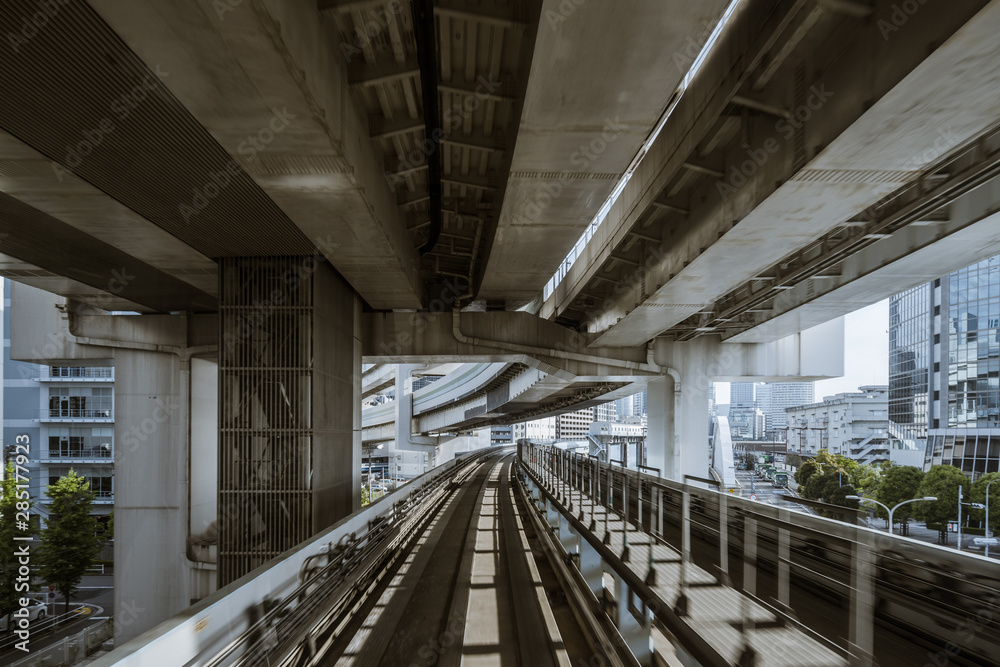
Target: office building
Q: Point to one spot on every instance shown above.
(67, 412)
(574, 425)
(960, 317)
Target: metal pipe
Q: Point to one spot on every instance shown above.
(547, 352)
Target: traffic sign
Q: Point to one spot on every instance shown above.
(753, 496)
(977, 506)
(991, 541)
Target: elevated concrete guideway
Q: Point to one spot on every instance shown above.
(818, 144)
(240, 204)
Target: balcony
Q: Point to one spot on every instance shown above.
(92, 455)
(76, 374)
(74, 415)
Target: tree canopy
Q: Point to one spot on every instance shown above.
(72, 538)
(899, 483)
(979, 496)
(942, 482)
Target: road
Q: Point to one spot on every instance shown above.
(766, 493)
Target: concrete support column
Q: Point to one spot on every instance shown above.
(405, 440)
(592, 569)
(635, 631)
(151, 491)
(677, 436)
(289, 406)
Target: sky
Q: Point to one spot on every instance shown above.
(866, 354)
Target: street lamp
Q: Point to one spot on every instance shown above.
(894, 508)
(988, 516)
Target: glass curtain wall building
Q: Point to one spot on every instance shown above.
(960, 351)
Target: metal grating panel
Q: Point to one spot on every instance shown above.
(265, 425)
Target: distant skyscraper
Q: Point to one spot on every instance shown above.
(741, 394)
(605, 412)
(785, 395)
(909, 372)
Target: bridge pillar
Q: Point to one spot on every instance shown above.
(151, 495)
(592, 568)
(635, 631)
(289, 406)
(677, 434)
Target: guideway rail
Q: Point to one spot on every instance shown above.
(283, 612)
(845, 587)
(705, 622)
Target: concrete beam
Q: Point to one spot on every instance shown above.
(912, 256)
(814, 354)
(430, 338)
(578, 132)
(750, 223)
(281, 56)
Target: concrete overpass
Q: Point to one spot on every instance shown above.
(282, 191)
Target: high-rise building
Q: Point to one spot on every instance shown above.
(784, 395)
(67, 412)
(574, 425)
(741, 394)
(606, 412)
(909, 372)
(960, 348)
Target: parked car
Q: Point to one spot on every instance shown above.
(37, 610)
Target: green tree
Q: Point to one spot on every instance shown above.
(807, 470)
(899, 483)
(9, 499)
(837, 495)
(72, 538)
(979, 496)
(942, 482)
(867, 478)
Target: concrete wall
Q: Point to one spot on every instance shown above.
(151, 490)
(336, 399)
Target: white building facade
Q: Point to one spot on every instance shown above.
(852, 424)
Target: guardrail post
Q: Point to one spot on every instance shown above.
(784, 554)
(862, 633)
(723, 540)
(607, 509)
(659, 512)
(681, 606)
(625, 485)
(749, 587)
